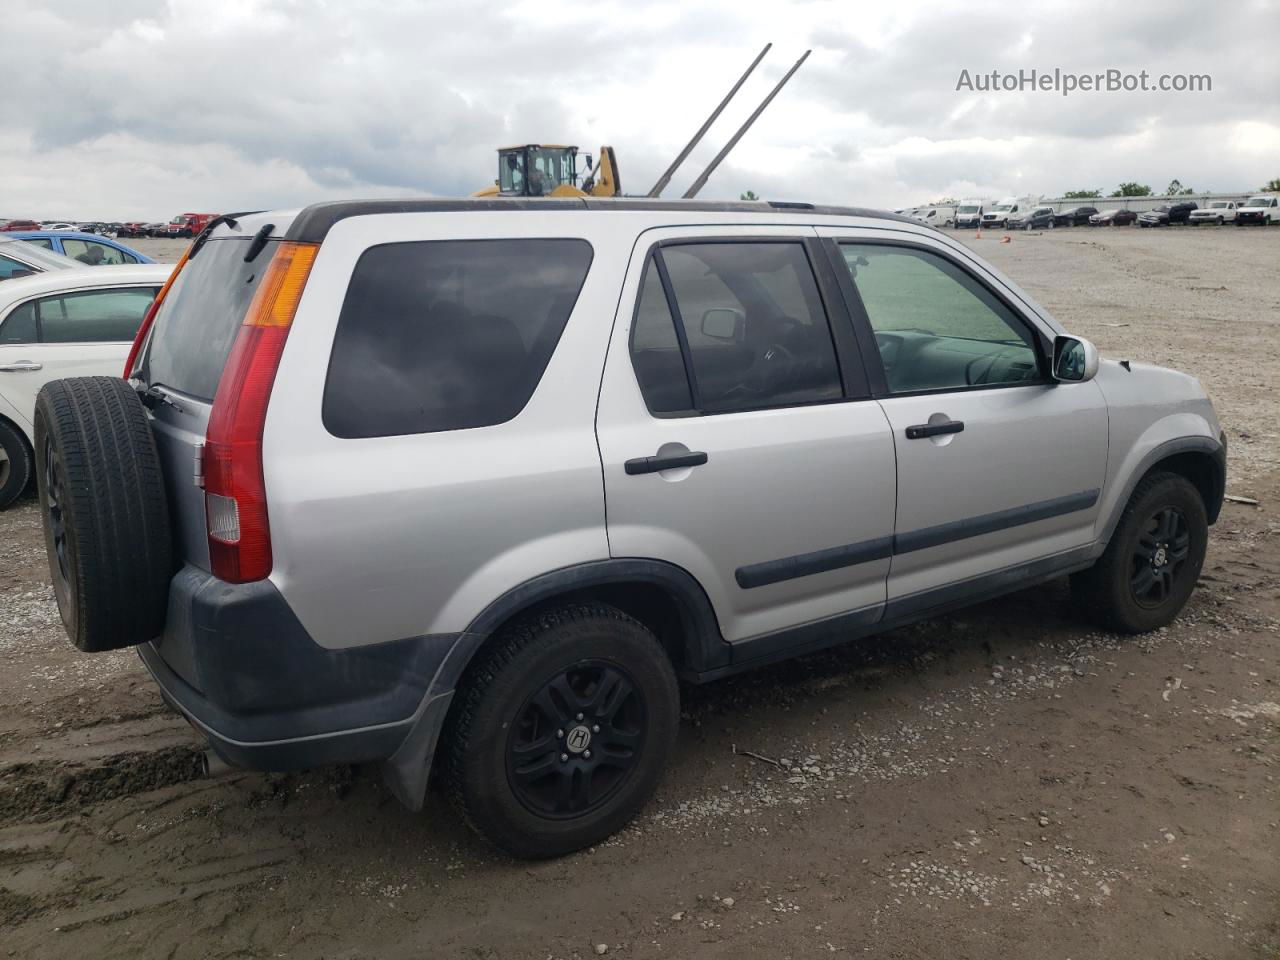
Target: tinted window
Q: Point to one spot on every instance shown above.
(198, 321)
(936, 326)
(40, 242)
(93, 316)
(19, 326)
(10, 268)
(655, 350)
(754, 323)
(446, 335)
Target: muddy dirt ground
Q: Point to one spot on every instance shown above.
(1001, 783)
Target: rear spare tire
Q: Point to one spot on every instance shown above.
(103, 508)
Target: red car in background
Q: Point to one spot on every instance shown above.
(20, 225)
(188, 224)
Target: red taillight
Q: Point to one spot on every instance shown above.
(235, 492)
(150, 317)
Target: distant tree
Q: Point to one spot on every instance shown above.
(1176, 189)
(1273, 186)
(1131, 189)
(750, 195)
(1082, 194)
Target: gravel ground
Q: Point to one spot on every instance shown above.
(1003, 782)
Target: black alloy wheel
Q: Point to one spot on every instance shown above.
(576, 740)
(1159, 557)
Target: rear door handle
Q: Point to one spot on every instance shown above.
(694, 458)
(21, 366)
(921, 430)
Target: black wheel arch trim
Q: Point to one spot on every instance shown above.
(704, 643)
(1217, 453)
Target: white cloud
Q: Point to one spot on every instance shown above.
(143, 108)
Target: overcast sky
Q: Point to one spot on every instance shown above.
(140, 109)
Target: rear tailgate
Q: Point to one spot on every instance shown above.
(186, 350)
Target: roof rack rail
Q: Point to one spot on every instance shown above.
(790, 205)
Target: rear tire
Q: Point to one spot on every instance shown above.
(1150, 567)
(104, 512)
(15, 464)
(562, 730)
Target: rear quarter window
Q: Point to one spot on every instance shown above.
(448, 334)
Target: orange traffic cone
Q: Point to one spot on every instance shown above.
(1006, 239)
(978, 235)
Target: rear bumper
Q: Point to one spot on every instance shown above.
(241, 667)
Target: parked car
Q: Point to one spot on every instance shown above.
(1074, 217)
(1218, 212)
(771, 490)
(61, 324)
(1113, 218)
(1166, 215)
(13, 225)
(188, 224)
(19, 259)
(1033, 219)
(156, 229)
(57, 225)
(132, 229)
(969, 214)
(1263, 210)
(84, 247)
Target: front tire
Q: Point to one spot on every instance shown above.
(1147, 573)
(562, 731)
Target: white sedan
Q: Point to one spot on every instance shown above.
(64, 323)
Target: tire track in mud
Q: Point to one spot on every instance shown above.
(40, 790)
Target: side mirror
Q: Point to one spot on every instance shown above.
(1075, 359)
(722, 323)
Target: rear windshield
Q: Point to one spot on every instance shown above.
(448, 334)
(197, 323)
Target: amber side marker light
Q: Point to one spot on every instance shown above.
(235, 490)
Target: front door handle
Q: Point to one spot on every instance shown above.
(921, 430)
(20, 366)
(671, 461)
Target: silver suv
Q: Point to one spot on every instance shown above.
(471, 483)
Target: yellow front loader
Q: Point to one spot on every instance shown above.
(550, 170)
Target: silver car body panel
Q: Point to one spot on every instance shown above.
(778, 483)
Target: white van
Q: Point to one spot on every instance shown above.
(969, 213)
(1003, 211)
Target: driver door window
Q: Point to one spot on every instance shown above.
(938, 328)
(749, 330)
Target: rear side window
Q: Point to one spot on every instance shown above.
(448, 334)
(10, 268)
(198, 320)
(93, 253)
(93, 316)
(751, 331)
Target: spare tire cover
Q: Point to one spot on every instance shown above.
(104, 512)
